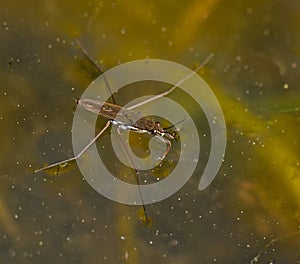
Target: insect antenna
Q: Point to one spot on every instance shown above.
(167, 128)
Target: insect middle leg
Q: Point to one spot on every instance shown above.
(207, 59)
(79, 154)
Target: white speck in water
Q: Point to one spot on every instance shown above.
(238, 58)
(5, 26)
(163, 29)
(266, 32)
(85, 14)
(170, 43)
(249, 10)
(126, 256)
(286, 86)
(123, 31)
(123, 237)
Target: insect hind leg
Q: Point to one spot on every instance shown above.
(78, 155)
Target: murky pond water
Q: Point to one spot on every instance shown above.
(250, 212)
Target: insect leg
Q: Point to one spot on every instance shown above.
(145, 217)
(86, 54)
(168, 143)
(207, 59)
(79, 154)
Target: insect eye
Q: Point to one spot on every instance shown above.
(175, 135)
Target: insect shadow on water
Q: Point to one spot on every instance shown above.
(122, 118)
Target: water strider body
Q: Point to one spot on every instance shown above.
(127, 119)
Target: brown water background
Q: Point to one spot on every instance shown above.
(251, 208)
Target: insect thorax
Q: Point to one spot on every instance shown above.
(145, 123)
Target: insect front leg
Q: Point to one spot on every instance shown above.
(168, 143)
